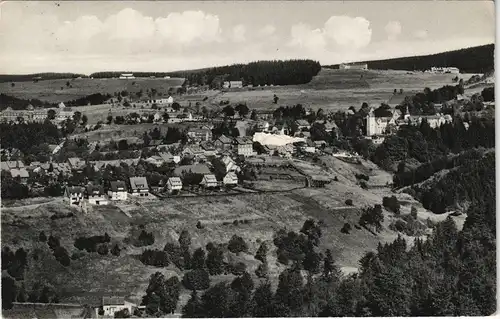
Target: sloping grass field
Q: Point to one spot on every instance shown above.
(92, 276)
(56, 91)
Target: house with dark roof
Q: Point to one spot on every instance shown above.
(245, 146)
(74, 195)
(139, 186)
(117, 190)
(224, 143)
(302, 124)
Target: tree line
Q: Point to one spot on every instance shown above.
(44, 76)
(275, 72)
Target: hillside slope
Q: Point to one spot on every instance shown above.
(470, 60)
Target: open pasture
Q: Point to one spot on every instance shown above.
(56, 91)
(335, 90)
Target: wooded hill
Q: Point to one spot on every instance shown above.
(470, 60)
(255, 73)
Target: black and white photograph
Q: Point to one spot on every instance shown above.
(246, 159)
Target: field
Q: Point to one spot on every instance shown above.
(92, 276)
(335, 90)
(56, 91)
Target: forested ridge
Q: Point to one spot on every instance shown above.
(43, 76)
(478, 59)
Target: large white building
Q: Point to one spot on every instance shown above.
(353, 66)
(383, 125)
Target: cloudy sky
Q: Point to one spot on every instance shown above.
(87, 36)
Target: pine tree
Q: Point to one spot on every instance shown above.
(198, 259)
(262, 253)
(262, 302)
(193, 308)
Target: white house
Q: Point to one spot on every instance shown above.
(74, 195)
(95, 195)
(174, 184)
(245, 146)
(118, 190)
(139, 186)
(230, 164)
(230, 179)
(110, 305)
(209, 181)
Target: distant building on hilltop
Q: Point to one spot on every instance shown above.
(353, 66)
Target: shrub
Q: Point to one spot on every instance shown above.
(53, 242)
(61, 255)
(145, 239)
(262, 271)
(348, 202)
(237, 245)
(103, 249)
(414, 212)
(115, 251)
(197, 279)
(362, 177)
(235, 222)
(238, 269)
(363, 185)
(199, 225)
(42, 237)
(157, 258)
(346, 229)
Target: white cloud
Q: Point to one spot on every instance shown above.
(268, 30)
(239, 33)
(393, 30)
(304, 36)
(349, 32)
(421, 34)
(342, 32)
(189, 26)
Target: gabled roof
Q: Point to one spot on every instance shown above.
(110, 301)
(302, 123)
(225, 140)
(76, 162)
(243, 140)
(210, 178)
(139, 182)
(117, 186)
(175, 181)
(75, 189)
(166, 156)
(95, 189)
(231, 178)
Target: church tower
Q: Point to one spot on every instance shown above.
(371, 124)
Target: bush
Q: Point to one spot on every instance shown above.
(42, 237)
(62, 256)
(362, 177)
(157, 258)
(237, 245)
(53, 242)
(77, 255)
(199, 225)
(348, 202)
(414, 212)
(238, 269)
(363, 185)
(115, 251)
(197, 279)
(103, 249)
(262, 271)
(145, 239)
(391, 204)
(346, 229)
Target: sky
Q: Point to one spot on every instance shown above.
(162, 36)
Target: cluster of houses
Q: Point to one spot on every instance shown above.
(117, 191)
(39, 114)
(379, 126)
